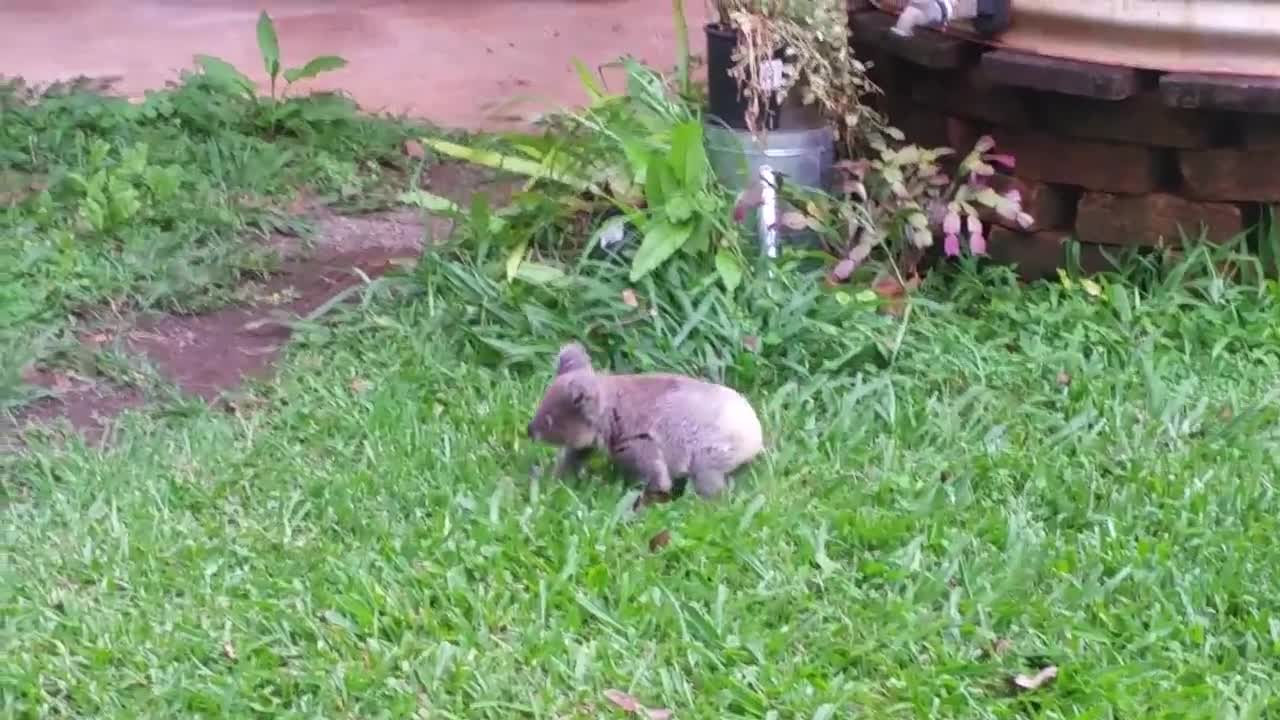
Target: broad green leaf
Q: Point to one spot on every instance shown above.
(661, 241)
(428, 201)
(655, 195)
(700, 239)
(729, 269)
(515, 257)
(479, 217)
(268, 44)
(225, 74)
(497, 160)
(434, 203)
(315, 66)
(678, 209)
(688, 156)
(539, 274)
(638, 157)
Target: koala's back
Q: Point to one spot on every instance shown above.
(699, 425)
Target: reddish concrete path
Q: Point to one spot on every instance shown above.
(455, 62)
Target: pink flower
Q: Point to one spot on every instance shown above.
(951, 223)
(951, 245)
(973, 225)
(977, 243)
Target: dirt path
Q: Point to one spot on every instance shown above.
(208, 354)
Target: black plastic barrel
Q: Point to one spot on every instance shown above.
(723, 99)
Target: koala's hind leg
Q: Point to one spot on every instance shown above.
(570, 461)
(709, 483)
(642, 457)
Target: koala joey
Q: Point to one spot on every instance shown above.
(656, 426)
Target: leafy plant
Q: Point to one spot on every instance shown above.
(119, 192)
(817, 62)
(637, 158)
(269, 47)
(902, 199)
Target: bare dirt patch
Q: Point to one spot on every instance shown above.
(205, 355)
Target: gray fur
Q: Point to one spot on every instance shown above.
(657, 426)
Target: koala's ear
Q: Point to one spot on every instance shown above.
(572, 357)
(584, 392)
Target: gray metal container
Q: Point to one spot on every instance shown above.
(805, 156)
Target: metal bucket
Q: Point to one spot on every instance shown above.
(806, 157)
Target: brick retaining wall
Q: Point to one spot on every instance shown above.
(1115, 156)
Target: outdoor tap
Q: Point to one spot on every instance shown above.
(768, 217)
(932, 14)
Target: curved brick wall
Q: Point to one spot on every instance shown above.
(1116, 156)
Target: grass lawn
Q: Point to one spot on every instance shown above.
(1040, 477)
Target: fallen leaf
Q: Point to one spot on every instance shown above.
(1091, 287)
(414, 149)
(229, 650)
(751, 342)
(360, 386)
(629, 298)
(1064, 378)
(888, 286)
(895, 291)
(1226, 414)
(622, 700)
(631, 705)
(659, 541)
(1035, 682)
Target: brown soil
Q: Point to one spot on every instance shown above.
(205, 355)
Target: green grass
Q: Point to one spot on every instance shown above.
(376, 541)
(163, 203)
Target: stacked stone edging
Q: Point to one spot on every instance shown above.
(1115, 156)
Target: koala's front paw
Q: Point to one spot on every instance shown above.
(651, 497)
(570, 462)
